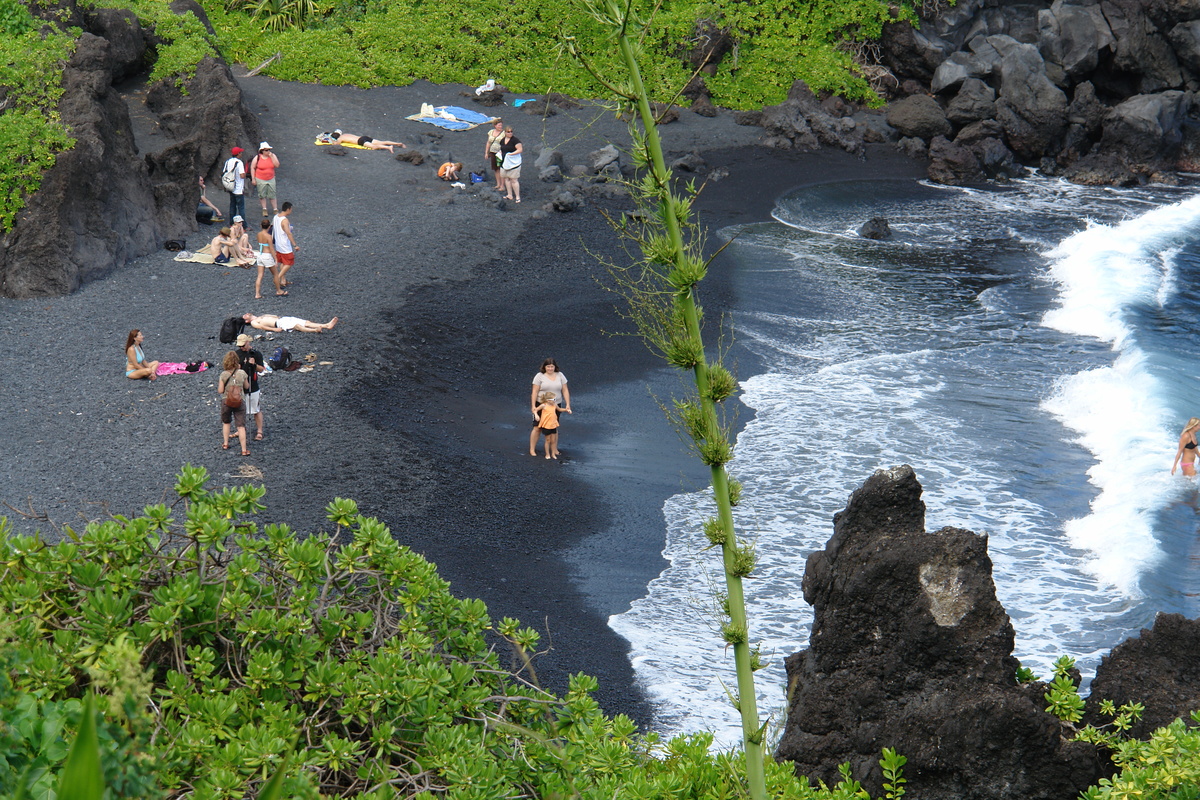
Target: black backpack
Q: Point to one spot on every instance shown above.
(280, 359)
(230, 329)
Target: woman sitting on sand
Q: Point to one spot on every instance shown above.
(136, 365)
(205, 201)
(1187, 448)
(241, 239)
(233, 375)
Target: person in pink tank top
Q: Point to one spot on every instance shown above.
(262, 170)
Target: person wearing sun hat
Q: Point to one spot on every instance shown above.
(262, 170)
(253, 364)
(235, 166)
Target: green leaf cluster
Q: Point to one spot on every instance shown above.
(31, 132)
(224, 655)
(1165, 767)
(185, 42)
(370, 43)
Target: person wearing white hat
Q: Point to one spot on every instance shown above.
(253, 364)
(262, 170)
(237, 232)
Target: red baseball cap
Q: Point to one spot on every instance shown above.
(237, 151)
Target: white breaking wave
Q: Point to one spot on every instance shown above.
(921, 351)
(1119, 413)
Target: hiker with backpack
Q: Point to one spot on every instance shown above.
(233, 179)
(233, 386)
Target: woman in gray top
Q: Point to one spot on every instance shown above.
(548, 379)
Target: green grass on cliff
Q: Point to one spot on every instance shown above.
(369, 43)
(31, 135)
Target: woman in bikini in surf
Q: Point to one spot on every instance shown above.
(1185, 456)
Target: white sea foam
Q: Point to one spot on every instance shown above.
(884, 354)
(1118, 412)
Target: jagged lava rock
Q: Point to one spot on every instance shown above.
(1160, 669)
(911, 649)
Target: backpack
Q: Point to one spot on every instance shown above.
(229, 176)
(233, 394)
(230, 329)
(280, 359)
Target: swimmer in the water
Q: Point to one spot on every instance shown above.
(1185, 456)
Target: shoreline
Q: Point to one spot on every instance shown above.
(447, 307)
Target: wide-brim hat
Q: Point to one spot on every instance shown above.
(244, 338)
(264, 146)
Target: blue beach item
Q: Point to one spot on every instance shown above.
(523, 101)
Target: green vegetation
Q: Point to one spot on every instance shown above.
(185, 40)
(31, 135)
(370, 43)
(1165, 767)
(661, 292)
(223, 656)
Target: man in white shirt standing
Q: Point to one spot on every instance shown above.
(237, 196)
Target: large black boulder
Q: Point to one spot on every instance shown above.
(911, 649)
(104, 202)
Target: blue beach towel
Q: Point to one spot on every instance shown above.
(464, 119)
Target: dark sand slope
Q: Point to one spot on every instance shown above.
(446, 310)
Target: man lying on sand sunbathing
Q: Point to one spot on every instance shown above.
(368, 142)
(274, 322)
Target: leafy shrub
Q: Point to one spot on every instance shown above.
(15, 18)
(186, 42)
(31, 134)
(217, 649)
(405, 40)
(1165, 767)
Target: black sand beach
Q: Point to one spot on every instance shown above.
(447, 306)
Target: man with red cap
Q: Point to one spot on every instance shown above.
(237, 195)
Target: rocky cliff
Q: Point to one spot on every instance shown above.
(910, 649)
(130, 182)
(1102, 91)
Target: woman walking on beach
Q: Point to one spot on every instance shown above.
(233, 377)
(491, 152)
(136, 365)
(1185, 456)
(548, 379)
(510, 164)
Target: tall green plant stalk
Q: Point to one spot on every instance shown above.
(661, 291)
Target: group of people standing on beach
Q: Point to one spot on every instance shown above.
(274, 250)
(275, 247)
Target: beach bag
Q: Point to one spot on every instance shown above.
(229, 176)
(512, 161)
(175, 245)
(230, 329)
(280, 359)
(233, 394)
(477, 178)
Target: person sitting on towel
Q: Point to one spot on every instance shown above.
(364, 141)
